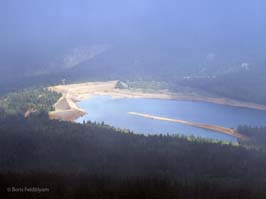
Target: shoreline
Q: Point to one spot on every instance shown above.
(66, 108)
(216, 128)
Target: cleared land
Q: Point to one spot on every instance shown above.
(216, 128)
(66, 108)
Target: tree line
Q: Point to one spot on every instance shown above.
(35, 99)
(99, 161)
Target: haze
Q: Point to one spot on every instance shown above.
(37, 36)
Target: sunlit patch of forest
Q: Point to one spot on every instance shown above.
(34, 99)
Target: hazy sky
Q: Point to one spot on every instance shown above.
(36, 19)
(32, 30)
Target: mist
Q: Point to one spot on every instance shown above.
(37, 36)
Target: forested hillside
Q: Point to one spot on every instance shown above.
(257, 136)
(31, 99)
(91, 160)
(129, 40)
(246, 86)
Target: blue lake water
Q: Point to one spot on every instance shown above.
(115, 112)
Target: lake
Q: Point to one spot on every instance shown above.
(115, 112)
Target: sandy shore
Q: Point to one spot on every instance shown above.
(66, 108)
(216, 128)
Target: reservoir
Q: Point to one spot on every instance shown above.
(114, 112)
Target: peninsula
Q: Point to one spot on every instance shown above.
(220, 129)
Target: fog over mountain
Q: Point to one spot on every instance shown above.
(40, 37)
